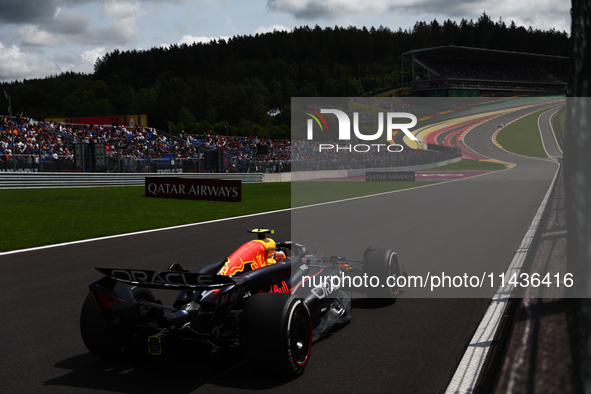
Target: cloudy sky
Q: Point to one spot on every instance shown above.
(46, 37)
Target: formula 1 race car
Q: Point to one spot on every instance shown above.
(271, 300)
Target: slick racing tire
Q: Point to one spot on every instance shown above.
(383, 263)
(99, 337)
(276, 334)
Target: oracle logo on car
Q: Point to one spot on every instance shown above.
(161, 278)
(194, 189)
(345, 129)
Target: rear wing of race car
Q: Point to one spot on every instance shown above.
(168, 279)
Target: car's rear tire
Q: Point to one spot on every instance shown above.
(383, 263)
(98, 336)
(276, 334)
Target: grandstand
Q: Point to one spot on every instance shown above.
(454, 71)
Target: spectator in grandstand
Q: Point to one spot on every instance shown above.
(56, 141)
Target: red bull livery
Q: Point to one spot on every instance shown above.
(272, 300)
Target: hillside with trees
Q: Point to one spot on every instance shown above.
(230, 86)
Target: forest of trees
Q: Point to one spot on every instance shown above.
(230, 86)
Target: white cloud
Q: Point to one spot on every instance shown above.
(270, 29)
(68, 22)
(119, 32)
(79, 63)
(71, 27)
(83, 63)
(18, 65)
(117, 9)
(189, 40)
(32, 35)
(91, 55)
(541, 14)
(329, 9)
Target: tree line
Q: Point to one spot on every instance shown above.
(229, 86)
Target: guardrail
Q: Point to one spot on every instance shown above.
(19, 180)
(24, 180)
(559, 130)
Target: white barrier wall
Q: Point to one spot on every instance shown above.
(20, 180)
(312, 175)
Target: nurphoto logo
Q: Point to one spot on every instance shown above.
(344, 123)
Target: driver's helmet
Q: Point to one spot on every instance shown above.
(279, 255)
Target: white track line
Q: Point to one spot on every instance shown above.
(138, 233)
(468, 371)
(551, 130)
(554, 131)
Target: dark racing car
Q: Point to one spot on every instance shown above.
(272, 300)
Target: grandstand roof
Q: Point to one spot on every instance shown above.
(468, 52)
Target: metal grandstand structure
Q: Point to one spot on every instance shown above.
(455, 71)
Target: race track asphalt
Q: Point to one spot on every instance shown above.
(413, 346)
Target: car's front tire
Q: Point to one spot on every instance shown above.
(383, 263)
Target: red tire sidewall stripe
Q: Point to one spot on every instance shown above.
(305, 310)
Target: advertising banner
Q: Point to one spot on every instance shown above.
(400, 176)
(194, 189)
(131, 120)
(143, 120)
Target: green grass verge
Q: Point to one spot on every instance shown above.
(49, 216)
(470, 165)
(37, 217)
(306, 193)
(523, 136)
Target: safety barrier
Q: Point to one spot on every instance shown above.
(559, 130)
(23, 180)
(17, 180)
